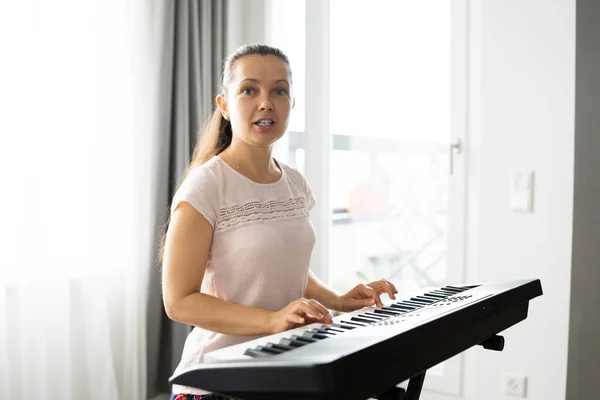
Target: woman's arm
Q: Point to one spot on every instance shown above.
(316, 289)
(187, 246)
(360, 296)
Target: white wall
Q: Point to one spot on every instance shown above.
(522, 83)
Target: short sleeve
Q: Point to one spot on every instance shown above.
(310, 197)
(200, 189)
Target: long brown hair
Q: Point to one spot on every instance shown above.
(216, 135)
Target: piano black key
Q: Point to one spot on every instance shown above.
(403, 307)
(282, 347)
(323, 331)
(452, 289)
(292, 343)
(411, 303)
(353, 323)
(434, 296)
(326, 332)
(343, 326)
(303, 339)
(380, 311)
(364, 320)
(412, 306)
(269, 350)
(443, 292)
(458, 289)
(420, 303)
(314, 335)
(390, 309)
(301, 342)
(335, 330)
(366, 316)
(423, 300)
(256, 353)
(371, 315)
(428, 296)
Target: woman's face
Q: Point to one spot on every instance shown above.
(258, 100)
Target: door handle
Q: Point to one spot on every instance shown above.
(455, 148)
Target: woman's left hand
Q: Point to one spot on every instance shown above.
(366, 295)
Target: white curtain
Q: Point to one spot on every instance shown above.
(78, 130)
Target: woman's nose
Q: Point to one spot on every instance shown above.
(266, 104)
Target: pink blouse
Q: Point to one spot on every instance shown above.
(262, 243)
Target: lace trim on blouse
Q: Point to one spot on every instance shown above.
(271, 210)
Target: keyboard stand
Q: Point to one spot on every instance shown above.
(413, 392)
(415, 384)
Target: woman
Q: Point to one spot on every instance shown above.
(238, 246)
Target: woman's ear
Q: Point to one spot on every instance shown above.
(222, 104)
(293, 102)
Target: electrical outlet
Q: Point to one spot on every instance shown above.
(515, 385)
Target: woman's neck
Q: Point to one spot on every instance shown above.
(253, 162)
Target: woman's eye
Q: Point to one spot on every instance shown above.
(248, 91)
(280, 92)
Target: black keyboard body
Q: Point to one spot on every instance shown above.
(362, 362)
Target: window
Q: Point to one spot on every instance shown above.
(394, 99)
(390, 126)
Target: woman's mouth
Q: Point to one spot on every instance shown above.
(264, 122)
(264, 125)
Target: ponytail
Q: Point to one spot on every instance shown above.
(214, 137)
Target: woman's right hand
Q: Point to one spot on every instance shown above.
(298, 313)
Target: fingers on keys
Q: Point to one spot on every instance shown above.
(310, 310)
(371, 293)
(390, 289)
(385, 286)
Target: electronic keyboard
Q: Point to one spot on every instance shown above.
(366, 352)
